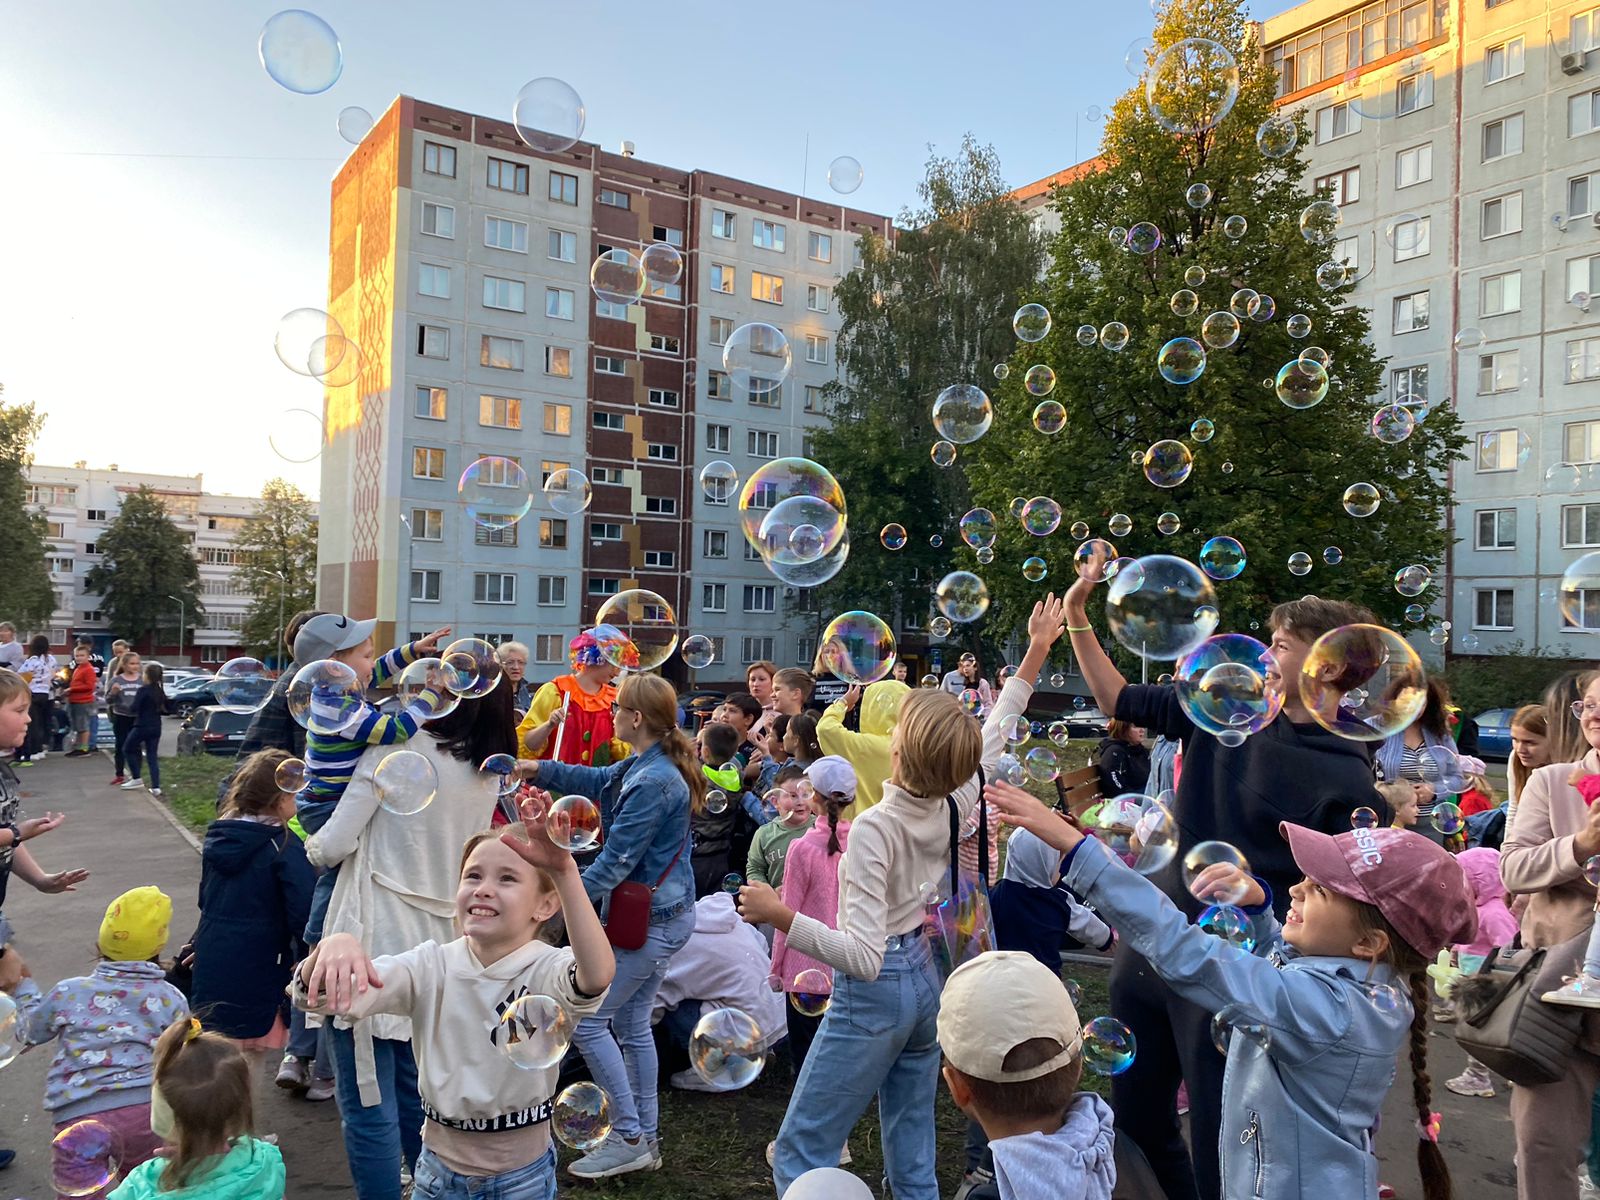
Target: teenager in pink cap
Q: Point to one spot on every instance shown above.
(1315, 1016)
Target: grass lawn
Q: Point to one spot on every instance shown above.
(189, 785)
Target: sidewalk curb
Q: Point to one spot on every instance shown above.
(171, 817)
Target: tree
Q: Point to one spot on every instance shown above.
(1272, 476)
(26, 597)
(147, 566)
(277, 563)
(931, 310)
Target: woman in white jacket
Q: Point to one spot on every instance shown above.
(396, 890)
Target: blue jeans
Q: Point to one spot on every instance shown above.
(321, 897)
(376, 1137)
(536, 1181)
(877, 1037)
(310, 1043)
(140, 745)
(679, 1022)
(616, 1042)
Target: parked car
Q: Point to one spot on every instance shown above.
(194, 692)
(212, 730)
(698, 706)
(170, 679)
(1494, 733)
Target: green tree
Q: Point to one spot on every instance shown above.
(1272, 476)
(26, 597)
(278, 563)
(930, 310)
(146, 567)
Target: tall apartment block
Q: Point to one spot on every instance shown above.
(459, 262)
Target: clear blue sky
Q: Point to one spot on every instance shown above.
(166, 202)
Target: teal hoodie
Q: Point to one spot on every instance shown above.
(252, 1170)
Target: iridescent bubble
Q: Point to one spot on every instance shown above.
(354, 124)
(1182, 360)
(1301, 384)
(663, 263)
(858, 647)
(1299, 563)
(1363, 682)
(757, 357)
(1591, 869)
(292, 776)
(1120, 524)
(1109, 1046)
(1201, 857)
(426, 687)
(567, 491)
(1331, 275)
(1198, 195)
(940, 627)
(1152, 611)
(1118, 235)
(1415, 613)
(1580, 584)
(1041, 516)
(1277, 136)
(301, 53)
(1220, 329)
(1113, 335)
(1227, 468)
(1091, 559)
(800, 529)
(732, 882)
(845, 174)
(1143, 238)
(495, 492)
(548, 115)
(1040, 380)
(1361, 499)
(617, 276)
(1034, 569)
(1263, 309)
(1405, 232)
(1184, 303)
(581, 1118)
(1298, 326)
(978, 528)
(534, 1032)
(893, 536)
(971, 700)
(1385, 997)
(309, 342)
(1242, 301)
(1364, 818)
(1049, 417)
(1316, 356)
(811, 992)
(1202, 429)
(1168, 524)
(1235, 227)
(773, 482)
(1563, 477)
(1088, 335)
(1320, 221)
(1222, 684)
(1412, 580)
(1469, 338)
(716, 801)
(1222, 1031)
(1222, 558)
(1041, 764)
(1192, 86)
(726, 1049)
(1031, 323)
(1167, 463)
(984, 554)
(1079, 530)
(1002, 371)
(719, 480)
(962, 597)
(962, 413)
(648, 626)
(1194, 276)
(1332, 555)
(242, 686)
(1228, 923)
(942, 453)
(325, 695)
(85, 1156)
(1448, 820)
(573, 823)
(405, 782)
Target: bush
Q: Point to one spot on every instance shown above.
(1507, 680)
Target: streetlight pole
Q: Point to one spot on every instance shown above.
(283, 585)
(181, 611)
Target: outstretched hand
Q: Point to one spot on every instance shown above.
(544, 836)
(1225, 883)
(1045, 622)
(1026, 811)
(337, 972)
(429, 646)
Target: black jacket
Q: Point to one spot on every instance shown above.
(1124, 767)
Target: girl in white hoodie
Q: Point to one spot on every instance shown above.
(487, 1117)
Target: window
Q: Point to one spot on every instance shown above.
(756, 649)
(721, 330)
(433, 341)
(558, 361)
(552, 533)
(509, 294)
(1344, 186)
(1586, 31)
(427, 525)
(719, 386)
(552, 591)
(1585, 614)
(1580, 526)
(1497, 450)
(661, 452)
(96, 514)
(494, 587)
(1581, 441)
(604, 587)
(502, 234)
(663, 398)
(605, 474)
(63, 565)
(722, 224)
(816, 348)
(1502, 138)
(1500, 372)
(664, 291)
(433, 281)
(766, 288)
(1412, 239)
(606, 420)
(56, 530)
(501, 471)
(661, 506)
(486, 535)
(610, 310)
(1497, 529)
(502, 353)
(760, 598)
(1413, 92)
(1337, 121)
(1583, 113)
(550, 648)
(1583, 359)
(1583, 276)
(613, 198)
(439, 160)
(558, 303)
(1347, 250)
(721, 279)
(1409, 381)
(1491, 608)
(500, 412)
(425, 586)
(1413, 166)
(765, 393)
(610, 364)
(1502, 61)
(1411, 312)
(819, 246)
(661, 560)
(714, 597)
(766, 234)
(431, 403)
(548, 467)
(816, 400)
(760, 443)
(439, 220)
(1502, 215)
(563, 246)
(557, 418)
(1500, 294)
(605, 531)
(427, 462)
(662, 233)
(714, 543)
(563, 187)
(717, 438)
(508, 176)
(816, 298)
(665, 343)
(1582, 190)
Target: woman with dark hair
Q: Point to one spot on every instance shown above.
(38, 669)
(1422, 755)
(968, 675)
(396, 889)
(1122, 760)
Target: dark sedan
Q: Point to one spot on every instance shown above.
(1494, 733)
(212, 730)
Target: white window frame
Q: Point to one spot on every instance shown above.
(661, 560)
(762, 443)
(430, 275)
(767, 235)
(757, 648)
(1502, 439)
(563, 188)
(1588, 266)
(605, 531)
(614, 198)
(1499, 372)
(553, 355)
(1419, 247)
(551, 591)
(496, 168)
(515, 360)
(428, 463)
(502, 585)
(817, 297)
(1497, 542)
(444, 216)
(714, 543)
(816, 348)
(1591, 193)
(440, 154)
(507, 295)
(1513, 137)
(723, 279)
(1403, 381)
(663, 398)
(819, 246)
(551, 420)
(561, 245)
(1330, 118)
(560, 304)
(425, 577)
(1423, 84)
(1509, 286)
(661, 452)
(1408, 303)
(1497, 619)
(759, 598)
(766, 288)
(1511, 57)
(724, 224)
(1344, 184)
(719, 385)
(1422, 158)
(1588, 514)
(1588, 432)
(435, 397)
(612, 422)
(517, 229)
(1583, 113)
(720, 330)
(661, 506)
(1510, 207)
(1583, 360)
(610, 364)
(507, 408)
(714, 597)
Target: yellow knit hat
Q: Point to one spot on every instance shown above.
(135, 925)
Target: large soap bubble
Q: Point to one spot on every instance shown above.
(781, 479)
(1301, 384)
(568, 491)
(1222, 685)
(405, 782)
(845, 174)
(425, 682)
(618, 277)
(978, 528)
(1222, 558)
(1167, 463)
(962, 413)
(1162, 610)
(534, 1032)
(309, 342)
(858, 647)
(548, 115)
(84, 1158)
(495, 492)
(962, 597)
(1041, 516)
(1579, 593)
(242, 685)
(1192, 86)
(1363, 682)
(1031, 322)
(757, 357)
(816, 572)
(326, 696)
(300, 51)
(1220, 329)
(1361, 499)
(354, 123)
(1109, 1046)
(726, 1049)
(1320, 221)
(800, 529)
(663, 263)
(582, 1116)
(472, 667)
(719, 479)
(648, 627)
(1277, 136)
(1182, 360)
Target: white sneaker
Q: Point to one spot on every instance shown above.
(1472, 1082)
(132, 785)
(688, 1081)
(614, 1156)
(156, 792)
(1583, 991)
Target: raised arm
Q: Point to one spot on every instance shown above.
(1101, 674)
(566, 779)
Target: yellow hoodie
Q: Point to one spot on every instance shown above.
(867, 751)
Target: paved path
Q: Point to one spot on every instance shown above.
(126, 839)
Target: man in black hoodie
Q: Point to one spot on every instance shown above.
(1293, 770)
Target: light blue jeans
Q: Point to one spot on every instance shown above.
(617, 1043)
(876, 1038)
(435, 1181)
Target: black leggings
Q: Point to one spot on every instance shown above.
(42, 725)
(121, 727)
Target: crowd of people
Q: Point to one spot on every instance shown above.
(792, 863)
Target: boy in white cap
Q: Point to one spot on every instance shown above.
(1014, 1067)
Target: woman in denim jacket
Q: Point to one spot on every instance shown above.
(1314, 1023)
(645, 801)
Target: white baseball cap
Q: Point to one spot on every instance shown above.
(995, 1002)
(832, 776)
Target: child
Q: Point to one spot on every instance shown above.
(800, 739)
(37, 670)
(1034, 911)
(81, 699)
(1300, 1103)
(1402, 799)
(487, 1118)
(1014, 1068)
(791, 689)
(879, 1026)
(16, 711)
(122, 696)
(772, 732)
(1478, 795)
(867, 750)
(712, 821)
(772, 840)
(200, 1103)
(1496, 928)
(1583, 989)
(255, 893)
(144, 739)
(108, 1023)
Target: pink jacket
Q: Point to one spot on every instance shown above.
(1496, 926)
(810, 886)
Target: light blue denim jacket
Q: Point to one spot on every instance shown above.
(1298, 1115)
(644, 813)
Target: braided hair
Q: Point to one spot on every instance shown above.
(833, 804)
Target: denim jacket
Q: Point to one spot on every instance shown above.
(644, 813)
(1297, 1114)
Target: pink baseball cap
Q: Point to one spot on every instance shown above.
(1416, 884)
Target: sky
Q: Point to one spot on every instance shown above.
(167, 202)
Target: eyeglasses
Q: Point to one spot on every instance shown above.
(1584, 708)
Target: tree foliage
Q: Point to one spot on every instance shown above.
(26, 597)
(277, 563)
(146, 565)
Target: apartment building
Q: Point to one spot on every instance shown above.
(460, 261)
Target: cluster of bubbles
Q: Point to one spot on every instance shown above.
(792, 512)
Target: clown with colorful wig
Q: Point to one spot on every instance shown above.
(569, 719)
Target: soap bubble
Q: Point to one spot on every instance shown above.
(716, 801)
(858, 647)
(697, 651)
(1301, 384)
(1405, 232)
(1108, 1046)
(1228, 923)
(1204, 855)
(1363, 682)
(1168, 524)
(1194, 276)
(782, 478)
(893, 536)
(548, 115)
(1448, 820)
(242, 685)
(405, 782)
(1041, 764)
(811, 992)
(1469, 338)
(962, 597)
(9, 1046)
(471, 667)
(800, 529)
(1385, 997)
(1192, 86)
(1113, 335)
(1361, 499)
(1041, 516)
(1298, 325)
(663, 263)
(1235, 227)
(573, 823)
(1364, 818)
(297, 436)
(1137, 55)
(962, 414)
(1415, 613)
(1049, 417)
(1002, 370)
(1591, 872)
(1580, 583)
(581, 1118)
(1079, 530)
(1332, 555)
(845, 174)
(301, 53)
(1120, 524)
(1263, 309)
(1092, 559)
(1412, 580)
(1227, 468)
(1563, 477)
(726, 1049)
(326, 696)
(1202, 430)
(618, 277)
(495, 492)
(648, 629)
(757, 357)
(84, 1156)
(354, 124)
(1182, 360)
(1393, 423)
(427, 686)
(1277, 136)
(309, 342)
(978, 528)
(940, 627)
(1167, 463)
(1243, 301)
(1222, 685)
(1184, 303)
(534, 1032)
(1320, 221)
(1300, 563)
(1034, 569)
(1198, 195)
(1222, 558)
(1152, 611)
(567, 491)
(1040, 380)
(971, 701)
(1220, 329)
(1144, 238)
(292, 776)
(1031, 322)
(1088, 335)
(1331, 275)
(1118, 235)
(732, 882)
(719, 480)
(1222, 1031)
(1059, 732)
(943, 454)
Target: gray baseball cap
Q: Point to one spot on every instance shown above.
(324, 636)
